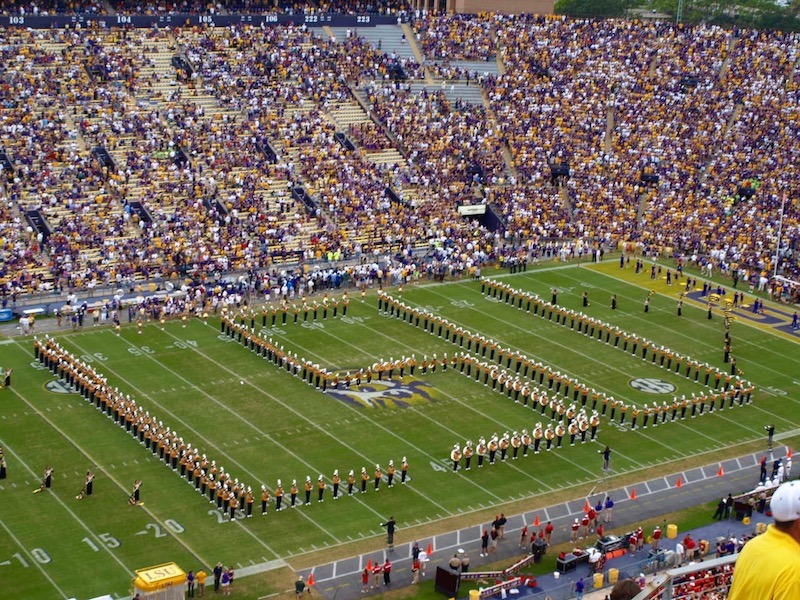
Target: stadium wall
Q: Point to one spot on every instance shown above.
(539, 7)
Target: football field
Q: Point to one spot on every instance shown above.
(263, 424)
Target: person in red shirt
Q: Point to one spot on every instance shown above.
(632, 544)
(689, 545)
(387, 572)
(639, 539)
(656, 537)
(592, 514)
(377, 569)
(364, 581)
(585, 526)
(548, 532)
(494, 536)
(600, 530)
(575, 526)
(523, 536)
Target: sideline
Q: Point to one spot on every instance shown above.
(338, 579)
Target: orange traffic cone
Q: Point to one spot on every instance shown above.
(679, 483)
(369, 565)
(536, 522)
(430, 549)
(310, 581)
(720, 472)
(586, 506)
(789, 453)
(633, 493)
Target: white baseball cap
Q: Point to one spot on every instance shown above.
(785, 502)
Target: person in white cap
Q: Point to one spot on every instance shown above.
(768, 567)
(246, 501)
(455, 456)
(264, 498)
(320, 488)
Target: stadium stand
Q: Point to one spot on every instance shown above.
(133, 154)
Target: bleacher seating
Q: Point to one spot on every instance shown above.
(146, 151)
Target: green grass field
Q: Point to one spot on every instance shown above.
(274, 426)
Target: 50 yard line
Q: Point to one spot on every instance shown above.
(306, 419)
(452, 398)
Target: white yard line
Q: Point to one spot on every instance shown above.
(100, 543)
(704, 323)
(32, 560)
(431, 420)
(234, 414)
(587, 357)
(327, 433)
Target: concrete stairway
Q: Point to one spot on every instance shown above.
(387, 38)
(453, 91)
(481, 67)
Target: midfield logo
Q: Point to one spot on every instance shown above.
(58, 387)
(397, 393)
(652, 386)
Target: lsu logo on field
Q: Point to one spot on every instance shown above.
(397, 393)
(58, 387)
(650, 385)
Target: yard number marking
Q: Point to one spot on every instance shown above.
(219, 515)
(437, 467)
(185, 344)
(141, 350)
(775, 391)
(171, 524)
(352, 320)
(109, 540)
(40, 555)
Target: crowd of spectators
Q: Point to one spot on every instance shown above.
(458, 37)
(708, 584)
(711, 114)
(664, 101)
(445, 142)
(369, 136)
